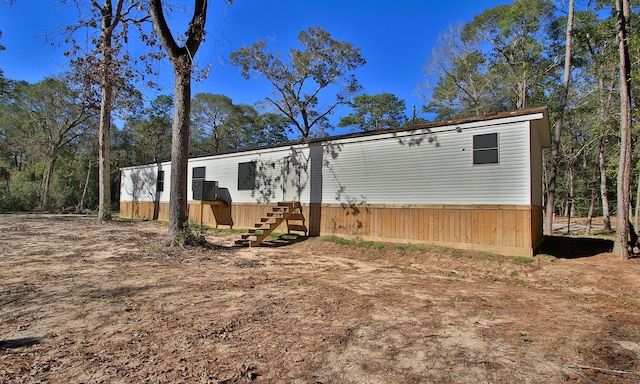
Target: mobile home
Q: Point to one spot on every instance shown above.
(472, 183)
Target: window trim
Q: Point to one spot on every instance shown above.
(248, 170)
(204, 172)
(486, 150)
(160, 181)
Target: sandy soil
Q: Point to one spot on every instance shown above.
(82, 301)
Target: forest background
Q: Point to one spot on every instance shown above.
(508, 57)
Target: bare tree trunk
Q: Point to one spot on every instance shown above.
(605, 105)
(4, 174)
(84, 190)
(179, 148)
(635, 221)
(553, 172)
(111, 16)
(104, 191)
(104, 169)
(182, 60)
(545, 177)
(46, 194)
(570, 196)
(592, 199)
(106, 104)
(620, 246)
(604, 186)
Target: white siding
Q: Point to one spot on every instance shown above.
(436, 171)
(433, 166)
(271, 171)
(139, 183)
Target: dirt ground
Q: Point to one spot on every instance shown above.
(89, 302)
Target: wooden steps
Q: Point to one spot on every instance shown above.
(289, 212)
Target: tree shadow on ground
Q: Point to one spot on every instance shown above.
(282, 241)
(19, 343)
(564, 247)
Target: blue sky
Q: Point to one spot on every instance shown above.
(395, 36)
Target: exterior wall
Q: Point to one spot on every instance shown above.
(273, 168)
(423, 167)
(139, 183)
(274, 165)
(403, 186)
(434, 167)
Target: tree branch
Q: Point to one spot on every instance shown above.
(162, 28)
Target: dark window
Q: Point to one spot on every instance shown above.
(485, 149)
(247, 176)
(160, 181)
(198, 173)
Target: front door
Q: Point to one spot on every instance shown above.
(291, 180)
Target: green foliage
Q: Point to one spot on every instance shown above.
(521, 282)
(466, 86)
(191, 235)
(299, 78)
(22, 194)
(212, 130)
(412, 247)
(362, 243)
(69, 182)
(270, 129)
(522, 260)
(225, 230)
(146, 136)
(221, 126)
(23, 189)
(499, 61)
(370, 244)
(338, 240)
(45, 129)
(372, 112)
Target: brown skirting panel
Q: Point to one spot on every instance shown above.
(506, 229)
(145, 210)
(537, 234)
